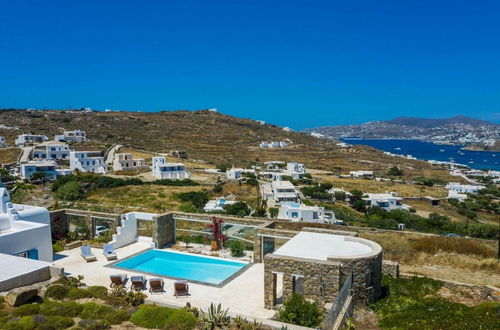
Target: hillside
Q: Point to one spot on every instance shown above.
(209, 136)
(455, 130)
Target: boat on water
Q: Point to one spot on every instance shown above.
(398, 148)
(352, 138)
(442, 150)
(471, 162)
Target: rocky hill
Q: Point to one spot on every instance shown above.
(455, 130)
(208, 136)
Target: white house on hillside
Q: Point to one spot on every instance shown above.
(29, 139)
(24, 229)
(87, 161)
(2, 142)
(126, 162)
(236, 173)
(217, 205)
(361, 174)
(463, 188)
(52, 150)
(300, 212)
(284, 191)
(273, 144)
(48, 167)
(386, 201)
(72, 136)
(164, 170)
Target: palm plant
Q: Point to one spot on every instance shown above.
(215, 317)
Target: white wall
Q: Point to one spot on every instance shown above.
(24, 240)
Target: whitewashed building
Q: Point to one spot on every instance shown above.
(127, 162)
(24, 229)
(284, 191)
(164, 170)
(273, 144)
(87, 161)
(72, 136)
(236, 172)
(29, 139)
(463, 188)
(217, 205)
(2, 142)
(300, 212)
(385, 201)
(48, 167)
(361, 174)
(51, 150)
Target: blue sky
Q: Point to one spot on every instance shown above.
(293, 63)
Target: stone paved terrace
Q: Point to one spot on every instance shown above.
(244, 295)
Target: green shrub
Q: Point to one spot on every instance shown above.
(237, 248)
(28, 309)
(57, 291)
(56, 322)
(66, 308)
(57, 247)
(299, 311)
(240, 209)
(99, 292)
(94, 324)
(70, 191)
(181, 319)
(151, 317)
(77, 293)
(197, 198)
(95, 311)
(118, 316)
(24, 323)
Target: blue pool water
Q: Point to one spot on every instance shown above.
(181, 265)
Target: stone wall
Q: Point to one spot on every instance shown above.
(267, 231)
(390, 268)
(321, 278)
(164, 230)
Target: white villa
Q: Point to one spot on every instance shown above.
(164, 170)
(2, 142)
(386, 201)
(87, 161)
(459, 191)
(217, 205)
(275, 165)
(300, 212)
(236, 172)
(273, 144)
(284, 191)
(52, 150)
(361, 174)
(126, 162)
(29, 139)
(49, 167)
(24, 230)
(72, 136)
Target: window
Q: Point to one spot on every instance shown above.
(295, 214)
(298, 284)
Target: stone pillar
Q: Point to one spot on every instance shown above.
(164, 230)
(59, 223)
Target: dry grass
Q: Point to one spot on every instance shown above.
(451, 266)
(435, 244)
(373, 186)
(242, 192)
(9, 155)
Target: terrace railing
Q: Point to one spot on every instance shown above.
(339, 307)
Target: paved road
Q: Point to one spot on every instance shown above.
(110, 153)
(25, 154)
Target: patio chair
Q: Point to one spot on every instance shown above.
(156, 285)
(117, 280)
(181, 288)
(138, 283)
(87, 254)
(109, 252)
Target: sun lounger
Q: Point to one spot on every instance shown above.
(138, 282)
(117, 280)
(155, 285)
(181, 288)
(109, 252)
(86, 253)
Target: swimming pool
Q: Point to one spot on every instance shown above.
(192, 267)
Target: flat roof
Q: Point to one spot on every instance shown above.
(11, 266)
(320, 246)
(283, 184)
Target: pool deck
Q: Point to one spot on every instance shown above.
(244, 295)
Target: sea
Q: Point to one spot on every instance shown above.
(431, 151)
